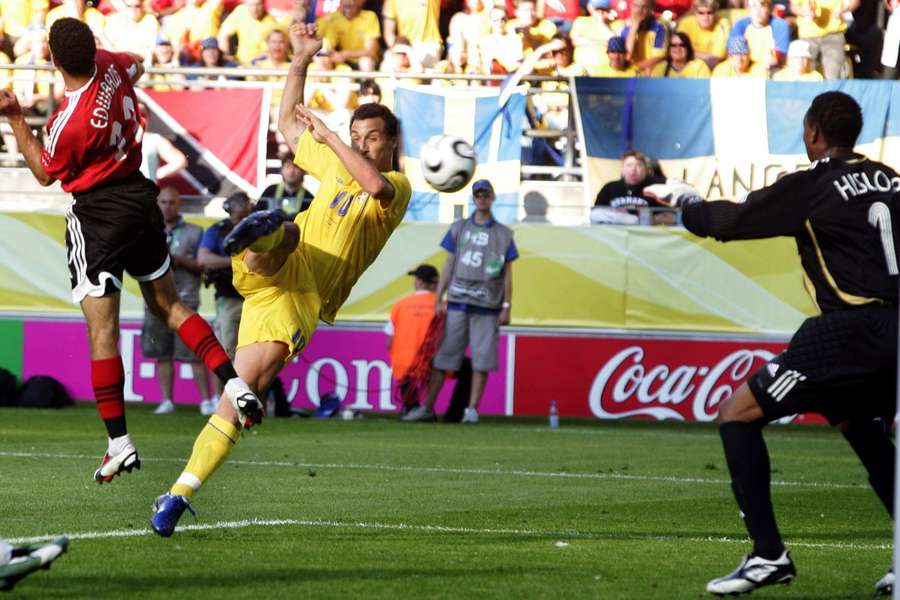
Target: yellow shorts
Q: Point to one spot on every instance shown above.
(281, 308)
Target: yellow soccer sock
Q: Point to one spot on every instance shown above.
(269, 242)
(211, 448)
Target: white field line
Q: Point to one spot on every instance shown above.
(438, 529)
(460, 471)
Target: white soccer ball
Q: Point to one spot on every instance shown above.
(448, 162)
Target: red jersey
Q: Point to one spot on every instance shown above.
(95, 135)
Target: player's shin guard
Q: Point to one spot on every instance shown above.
(748, 463)
(108, 380)
(871, 442)
(211, 448)
(198, 336)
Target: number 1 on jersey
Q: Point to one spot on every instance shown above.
(880, 218)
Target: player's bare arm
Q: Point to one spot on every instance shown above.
(306, 42)
(362, 168)
(29, 145)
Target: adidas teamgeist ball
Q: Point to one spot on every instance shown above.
(448, 162)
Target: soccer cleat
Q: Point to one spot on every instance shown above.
(419, 413)
(126, 460)
(253, 227)
(470, 415)
(165, 407)
(167, 509)
(24, 560)
(754, 572)
(250, 410)
(209, 407)
(885, 585)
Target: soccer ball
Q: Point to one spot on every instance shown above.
(448, 162)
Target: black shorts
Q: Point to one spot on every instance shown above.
(111, 229)
(842, 365)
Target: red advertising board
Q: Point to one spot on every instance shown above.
(634, 377)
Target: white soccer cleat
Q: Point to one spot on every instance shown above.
(754, 572)
(249, 409)
(125, 460)
(165, 407)
(470, 415)
(885, 585)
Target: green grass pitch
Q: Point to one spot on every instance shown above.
(379, 509)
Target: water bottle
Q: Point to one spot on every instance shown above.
(554, 415)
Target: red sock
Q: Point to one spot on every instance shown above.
(108, 380)
(198, 336)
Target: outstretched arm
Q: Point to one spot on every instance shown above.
(305, 42)
(29, 145)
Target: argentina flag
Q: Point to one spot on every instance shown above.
(724, 136)
(473, 114)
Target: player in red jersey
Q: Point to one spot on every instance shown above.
(113, 224)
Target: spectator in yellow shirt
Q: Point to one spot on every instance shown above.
(78, 9)
(645, 37)
(535, 31)
(132, 29)
(467, 27)
(553, 102)
(708, 32)
(191, 24)
(34, 87)
(739, 63)
(821, 23)
(501, 50)
(418, 22)
(799, 64)
(457, 62)
(680, 61)
(164, 56)
(17, 16)
(591, 33)
(250, 24)
(617, 58)
(351, 35)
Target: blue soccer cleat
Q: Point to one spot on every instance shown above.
(253, 227)
(167, 509)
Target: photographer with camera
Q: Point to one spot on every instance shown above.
(217, 272)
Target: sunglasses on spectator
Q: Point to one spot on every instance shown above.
(679, 45)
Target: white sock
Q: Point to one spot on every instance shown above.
(118, 444)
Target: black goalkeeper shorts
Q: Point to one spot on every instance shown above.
(842, 365)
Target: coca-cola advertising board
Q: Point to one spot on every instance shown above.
(634, 377)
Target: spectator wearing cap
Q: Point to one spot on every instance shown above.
(822, 24)
(591, 33)
(739, 63)
(767, 36)
(680, 61)
(351, 35)
(708, 32)
(78, 9)
(131, 29)
(212, 57)
(645, 37)
(248, 24)
(617, 60)
(217, 272)
(799, 64)
(164, 56)
(408, 324)
(196, 21)
(419, 22)
(477, 278)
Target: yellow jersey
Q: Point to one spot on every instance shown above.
(608, 71)
(650, 43)
(341, 33)
(417, 20)
(590, 41)
(92, 17)
(251, 33)
(19, 15)
(788, 74)
(193, 24)
(826, 19)
(344, 229)
(712, 41)
(695, 69)
(538, 34)
(726, 69)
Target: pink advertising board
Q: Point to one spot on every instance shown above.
(351, 362)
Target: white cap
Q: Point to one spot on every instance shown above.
(799, 49)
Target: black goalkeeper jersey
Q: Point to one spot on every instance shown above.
(844, 213)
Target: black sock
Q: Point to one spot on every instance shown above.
(870, 440)
(115, 427)
(225, 371)
(748, 463)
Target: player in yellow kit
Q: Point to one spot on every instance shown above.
(293, 274)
